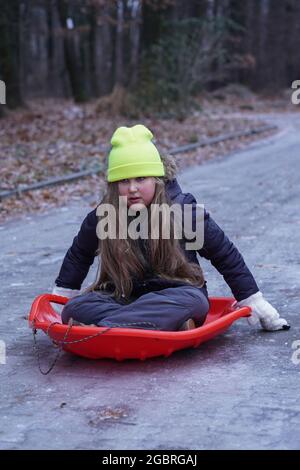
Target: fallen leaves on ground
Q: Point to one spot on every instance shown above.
(52, 138)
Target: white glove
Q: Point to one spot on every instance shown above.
(64, 292)
(264, 312)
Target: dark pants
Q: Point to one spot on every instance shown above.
(164, 310)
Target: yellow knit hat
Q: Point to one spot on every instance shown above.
(133, 154)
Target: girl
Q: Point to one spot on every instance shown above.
(146, 282)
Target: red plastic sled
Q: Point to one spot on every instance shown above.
(130, 343)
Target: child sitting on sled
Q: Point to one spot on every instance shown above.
(147, 282)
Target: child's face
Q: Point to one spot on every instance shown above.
(139, 191)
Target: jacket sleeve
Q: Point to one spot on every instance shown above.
(80, 256)
(225, 257)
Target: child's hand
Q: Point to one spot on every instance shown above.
(264, 312)
(64, 292)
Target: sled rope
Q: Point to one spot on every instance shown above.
(64, 341)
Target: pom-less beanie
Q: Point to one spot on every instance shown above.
(133, 154)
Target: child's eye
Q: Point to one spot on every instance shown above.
(140, 178)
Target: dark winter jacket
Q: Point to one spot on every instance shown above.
(217, 248)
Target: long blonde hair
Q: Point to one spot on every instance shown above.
(122, 260)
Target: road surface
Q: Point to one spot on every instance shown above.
(238, 391)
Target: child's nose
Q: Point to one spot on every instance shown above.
(132, 186)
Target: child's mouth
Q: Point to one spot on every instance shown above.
(135, 199)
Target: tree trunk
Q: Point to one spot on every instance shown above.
(72, 53)
(119, 64)
(292, 42)
(135, 41)
(101, 41)
(10, 51)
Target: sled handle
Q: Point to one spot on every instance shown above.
(44, 300)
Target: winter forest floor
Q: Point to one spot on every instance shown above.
(51, 138)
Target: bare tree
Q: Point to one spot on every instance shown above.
(119, 63)
(101, 40)
(135, 29)
(10, 51)
(72, 49)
